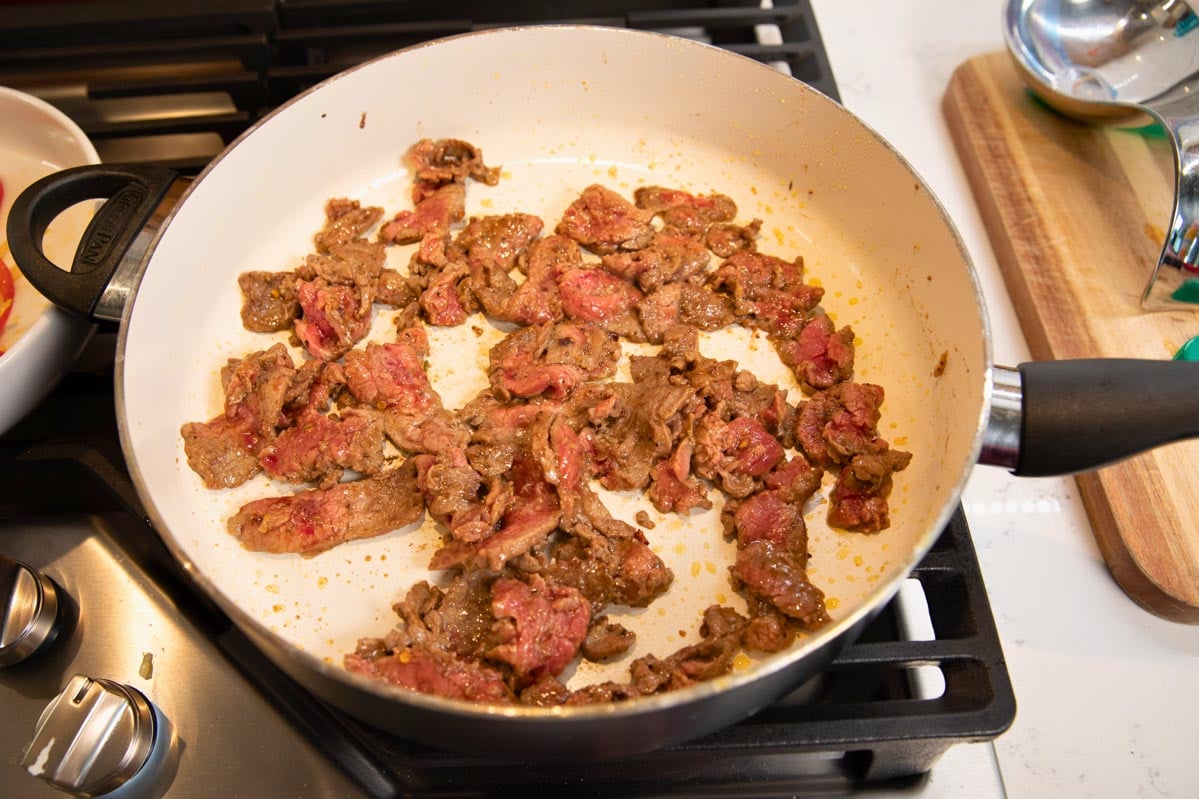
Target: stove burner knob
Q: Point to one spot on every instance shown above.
(93, 737)
(30, 611)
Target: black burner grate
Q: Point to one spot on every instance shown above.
(172, 83)
(864, 722)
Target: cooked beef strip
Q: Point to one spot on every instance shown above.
(735, 453)
(345, 221)
(395, 289)
(312, 521)
(333, 320)
(457, 619)
(429, 671)
(768, 292)
(604, 222)
(528, 519)
(768, 629)
(550, 359)
(391, 379)
(666, 260)
(318, 448)
(672, 488)
(602, 693)
(623, 571)
(447, 301)
(224, 451)
(711, 657)
(687, 213)
(435, 163)
(538, 300)
(820, 356)
(593, 295)
(644, 430)
(836, 424)
(356, 263)
(497, 240)
(606, 640)
(726, 239)
(777, 575)
(858, 500)
(539, 628)
(221, 451)
(432, 215)
(545, 692)
(313, 390)
(683, 304)
(269, 301)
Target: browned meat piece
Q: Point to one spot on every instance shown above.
(318, 448)
(858, 501)
(551, 360)
(604, 222)
(683, 304)
(736, 453)
(601, 693)
(395, 289)
(256, 388)
(391, 379)
(456, 620)
(530, 512)
(316, 385)
(796, 479)
(345, 221)
(726, 239)
(269, 301)
(768, 630)
(770, 516)
(836, 424)
(356, 263)
(667, 260)
(620, 571)
(313, 521)
(672, 488)
(820, 356)
(593, 295)
(496, 240)
(684, 212)
(429, 671)
(333, 320)
(447, 300)
(777, 575)
(432, 215)
(546, 692)
(538, 300)
(539, 628)
(711, 657)
(768, 292)
(606, 640)
(435, 163)
(501, 432)
(221, 451)
(224, 451)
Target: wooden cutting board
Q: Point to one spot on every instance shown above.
(1076, 215)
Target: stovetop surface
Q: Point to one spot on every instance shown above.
(173, 84)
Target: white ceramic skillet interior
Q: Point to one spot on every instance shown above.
(40, 341)
(560, 108)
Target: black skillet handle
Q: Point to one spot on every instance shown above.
(133, 192)
(1079, 415)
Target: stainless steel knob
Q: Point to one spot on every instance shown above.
(92, 738)
(30, 611)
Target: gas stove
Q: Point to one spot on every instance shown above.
(113, 640)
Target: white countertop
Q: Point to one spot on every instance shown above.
(1107, 694)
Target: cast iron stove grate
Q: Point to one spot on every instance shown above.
(172, 82)
(868, 721)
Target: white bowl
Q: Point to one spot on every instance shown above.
(40, 341)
